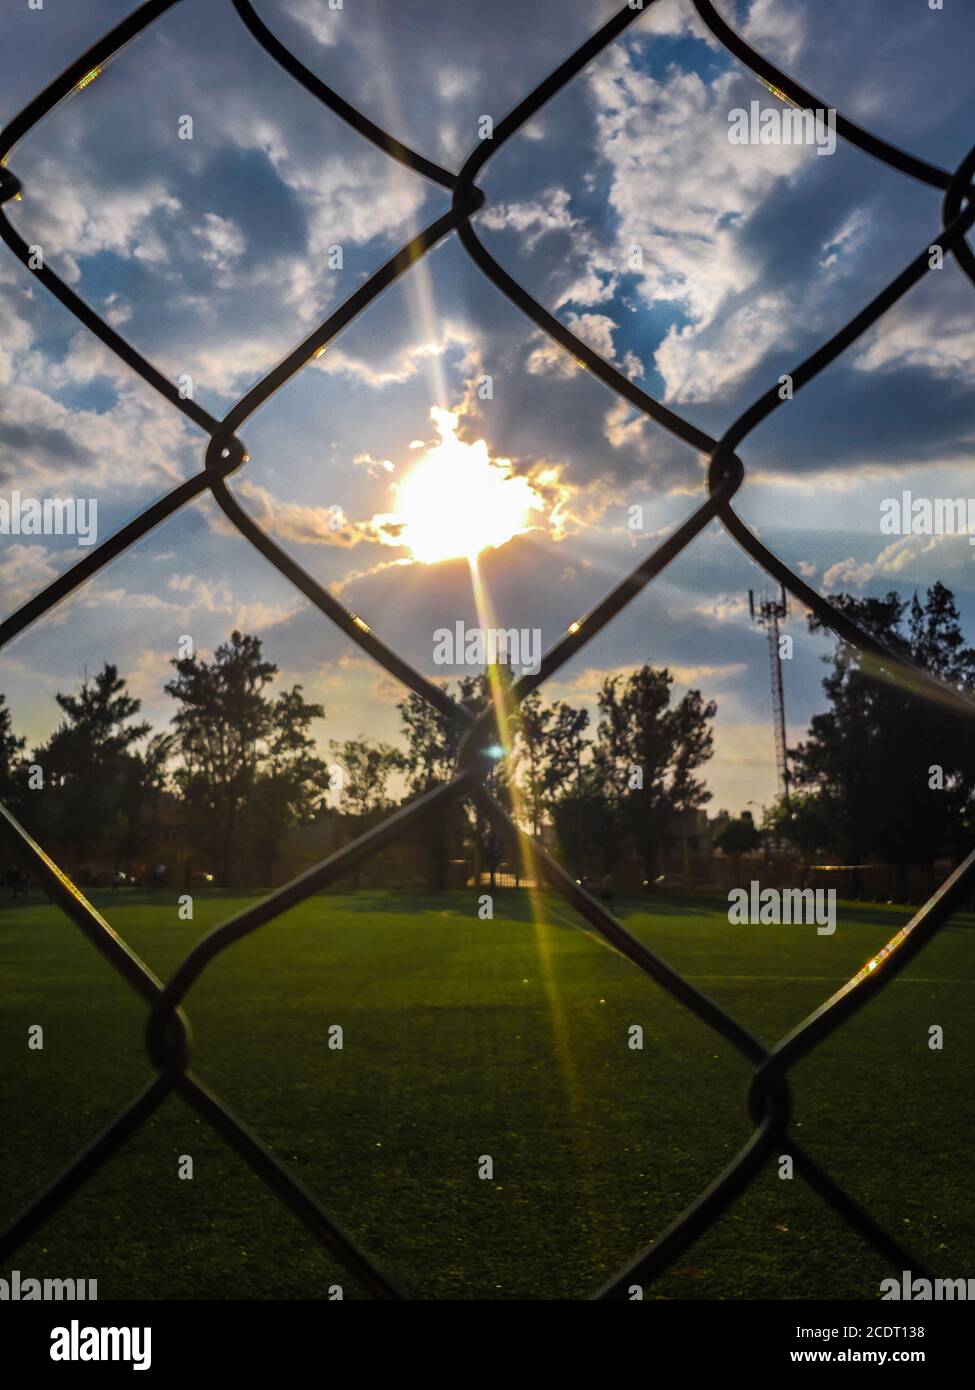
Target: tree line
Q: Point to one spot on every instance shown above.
(240, 766)
(882, 775)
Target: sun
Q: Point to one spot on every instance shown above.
(457, 501)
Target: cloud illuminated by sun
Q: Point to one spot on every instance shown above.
(457, 501)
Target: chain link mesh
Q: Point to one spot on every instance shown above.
(167, 1034)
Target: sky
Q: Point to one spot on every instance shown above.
(212, 256)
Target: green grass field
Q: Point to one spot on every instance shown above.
(465, 1038)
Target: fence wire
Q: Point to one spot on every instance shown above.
(167, 1032)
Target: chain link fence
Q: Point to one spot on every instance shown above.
(167, 1035)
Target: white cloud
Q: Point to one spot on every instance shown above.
(223, 243)
(697, 372)
(25, 570)
(596, 331)
(398, 364)
(140, 440)
(216, 596)
(677, 180)
(453, 82)
(15, 337)
(939, 337)
(321, 22)
(590, 276)
(260, 616)
(919, 559)
(588, 681)
(535, 219)
(672, 18)
(680, 191)
(294, 521)
(117, 310)
(71, 219)
(213, 596)
(724, 608)
(230, 363)
(345, 199)
(777, 29)
(850, 237)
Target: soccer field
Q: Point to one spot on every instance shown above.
(465, 1038)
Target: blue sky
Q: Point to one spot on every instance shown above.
(212, 257)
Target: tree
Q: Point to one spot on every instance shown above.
(11, 749)
(432, 744)
(565, 746)
(586, 824)
(290, 788)
(531, 745)
(843, 756)
(807, 821)
(221, 727)
(145, 783)
(490, 689)
(646, 754)
(89, 763)
(739, 836)
(894, 770)
(13, 791)
(248, 766)
(367, 766)
(579, 808)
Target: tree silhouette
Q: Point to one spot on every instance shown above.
(578, 811)
(433, 742)
(290, 787)
(146, 780)
(739, 836)
(646, 754)
(88, 764)
(565, 745)
(531, 747)
(221, 727)
(894, 772)
(367, 766)
(11, 749)
(806, 822)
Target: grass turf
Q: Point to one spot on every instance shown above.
(465, 1038)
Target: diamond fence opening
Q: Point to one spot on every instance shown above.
(167, 1033)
